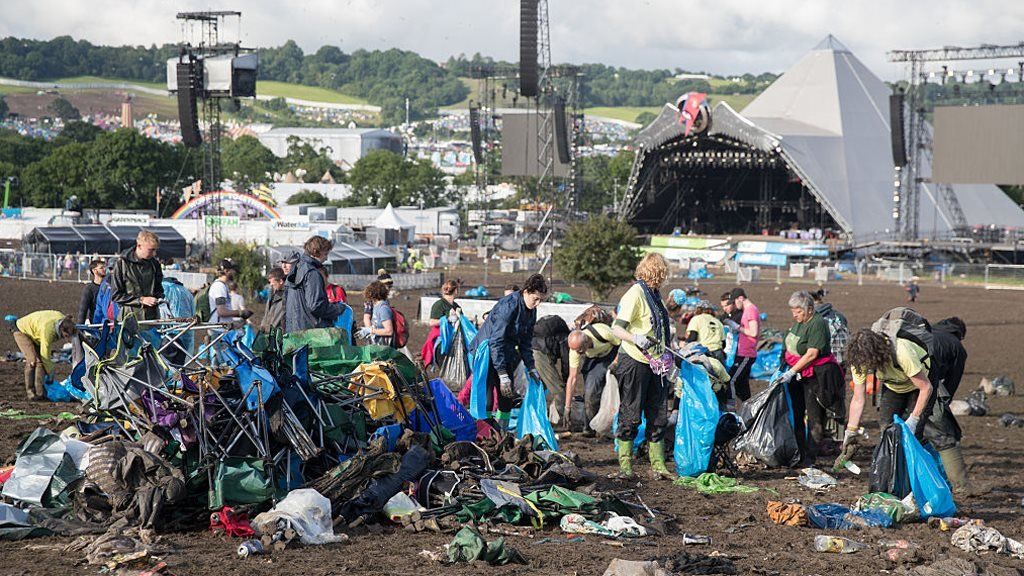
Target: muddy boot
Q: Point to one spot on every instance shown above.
(656, 454)
(956, 468)
(625, 460)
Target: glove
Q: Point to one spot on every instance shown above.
(534, 375)
(731, 324)
(642, 341)
(364, 333)
(246, 314)
(912, 423)
(787, 376)
(505, 384)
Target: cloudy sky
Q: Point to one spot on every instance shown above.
(724, 36)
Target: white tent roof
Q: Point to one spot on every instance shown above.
(390, 220)
(830, 116)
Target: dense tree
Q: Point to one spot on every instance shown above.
(61, 108)
(307, 197)
(4, 110)
(128, 169)
(57, 177)
(78, 131)
(252, 264)
(382, 176)
(604, 180)
(247, 162)
(600, 253)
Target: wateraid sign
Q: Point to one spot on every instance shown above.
(283, 224)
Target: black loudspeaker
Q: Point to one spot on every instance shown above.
(474, 132)
(187, 105)
(528, 48)
(561, 130)
(899, 148)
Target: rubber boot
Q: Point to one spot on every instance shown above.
(956, 468)
(625, 448)
(656, 453)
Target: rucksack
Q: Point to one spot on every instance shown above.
(401, 328)
(336, 293)
(906, 323)
(106, 308)
(593, 315)
(202, 303)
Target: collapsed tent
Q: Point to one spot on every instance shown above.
(812, 150)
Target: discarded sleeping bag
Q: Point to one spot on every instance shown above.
(931, 491)
(696, 423)
(888, 465)
(533, 415)
(769, 435)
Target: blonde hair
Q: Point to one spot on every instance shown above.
(652, 269)
(148, 238)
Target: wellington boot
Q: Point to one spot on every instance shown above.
(656, 453)
(625, 448)
(956, 468)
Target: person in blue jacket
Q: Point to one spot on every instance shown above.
(509, 333)
(306, 303)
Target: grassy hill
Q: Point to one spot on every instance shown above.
(311, 93)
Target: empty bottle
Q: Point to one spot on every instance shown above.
(837, 544)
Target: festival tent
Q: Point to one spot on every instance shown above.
(827, 118)
(99, 239)
(347, 257)
(389, 228)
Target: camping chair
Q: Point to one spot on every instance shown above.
(728, 428)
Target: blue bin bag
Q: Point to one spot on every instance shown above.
(931, 491)
(697, 421)
(533, 415)
(344, 321)
(469, 331)
(641, 432)
(478, 292)
(838, 517)
(444, 339)
(767, 362)
(55, 392)
(732, 342)
(480, 363)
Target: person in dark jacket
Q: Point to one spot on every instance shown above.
(136, 279)
(306, 303)
(949, 357)
(273, 317)
(551, 355)
(508, 331)
(87, 305)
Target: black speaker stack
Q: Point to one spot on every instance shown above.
(188, 84)
(528, 48)
(561, 130)
(474, 132)
(896, 126)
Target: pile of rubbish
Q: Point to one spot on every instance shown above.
(300, 434)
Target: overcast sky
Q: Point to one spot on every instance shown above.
(723, 36)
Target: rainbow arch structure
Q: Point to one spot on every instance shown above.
(224, 197)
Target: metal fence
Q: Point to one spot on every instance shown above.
(1004, 277)
(52, 267)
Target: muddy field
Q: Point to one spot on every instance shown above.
(737, 523)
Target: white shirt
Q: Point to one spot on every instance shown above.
(219, 293)
(237, 302)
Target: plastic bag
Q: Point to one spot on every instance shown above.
(481, 362)
(769, 436)
(696, 423)
(454, 360)
(55, 391)
(307, 511)
(767, 362)
(931, 491)
(533, 415)
(837, 517)
(888, 465)
(602, 421)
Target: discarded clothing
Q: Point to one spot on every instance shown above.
(977, 539)
(711, 483)
(470, 546)
(784, 514)
(614, 527)
(816, 479)
(687, 563)
(138, 484)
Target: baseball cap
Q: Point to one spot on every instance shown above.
(737, 292)
(227, 264)
(292, 258)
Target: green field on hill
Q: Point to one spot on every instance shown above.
(311, 93)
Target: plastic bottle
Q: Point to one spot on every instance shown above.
(837, 544)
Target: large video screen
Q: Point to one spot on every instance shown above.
(519, 145)
(978, 144)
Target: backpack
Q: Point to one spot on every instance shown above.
(335, 294)
(906, 323)
(593, 315)
(839, 333)
(106, 308)
(401, 328)
(202, 303)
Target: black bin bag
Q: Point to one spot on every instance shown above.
(889, 466)
(769, 435)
